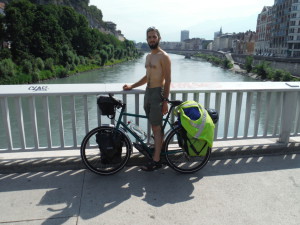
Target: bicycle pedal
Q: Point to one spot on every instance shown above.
(142, 150)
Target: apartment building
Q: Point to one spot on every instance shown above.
(293, 42)
(263, 32)
(278, 29)
(185, 34)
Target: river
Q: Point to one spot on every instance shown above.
(183, 70)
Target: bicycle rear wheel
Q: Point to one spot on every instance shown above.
(93, 158)
(178, 159)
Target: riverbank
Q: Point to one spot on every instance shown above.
(48, 71)
(262, 71)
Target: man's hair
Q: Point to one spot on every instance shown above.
(153, 29)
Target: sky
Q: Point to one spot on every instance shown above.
(201, 17)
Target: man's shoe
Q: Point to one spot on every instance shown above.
(152, 165)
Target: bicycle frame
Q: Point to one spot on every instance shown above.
(120, 123)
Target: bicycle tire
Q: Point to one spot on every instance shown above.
(178, 159)
(91, 155)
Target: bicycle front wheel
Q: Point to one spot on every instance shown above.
(178, 159)
(92, 157)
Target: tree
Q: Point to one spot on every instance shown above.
(248, 64)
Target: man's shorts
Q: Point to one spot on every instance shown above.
(153, 105)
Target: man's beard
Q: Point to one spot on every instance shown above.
(154, 46)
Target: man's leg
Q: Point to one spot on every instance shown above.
(155, 163)
(157, 142)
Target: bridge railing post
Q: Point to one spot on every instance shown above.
(288, 114)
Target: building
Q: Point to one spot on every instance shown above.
(240, 43)
(278, 29)
(185, 34)
(293, 41)
(263, 31)
(244, 43)
(218, 33)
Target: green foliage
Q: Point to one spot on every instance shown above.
(287, 76)
(261, 69)
(103, 56)
(39, 63)
(27, 66)
(7, 68)
(56, 38)
(227, 64)
(248, 63)
(49, 63)
(2, 29)
(35, 76)
(61, 72)
(5, 54)
(277, 75)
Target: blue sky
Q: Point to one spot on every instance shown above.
(201, 18)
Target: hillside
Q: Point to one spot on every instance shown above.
(92, 13)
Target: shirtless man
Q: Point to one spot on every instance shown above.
(158, 79)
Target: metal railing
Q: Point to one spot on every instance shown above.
(56, 117)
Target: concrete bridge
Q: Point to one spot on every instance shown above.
(249, 111)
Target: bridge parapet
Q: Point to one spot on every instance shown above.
(56, 117)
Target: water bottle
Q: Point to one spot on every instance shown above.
(137, 130)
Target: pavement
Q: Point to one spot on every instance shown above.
(235, 187)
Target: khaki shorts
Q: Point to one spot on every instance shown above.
(153, 105)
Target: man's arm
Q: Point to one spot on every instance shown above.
(166, 67)
(137, 84)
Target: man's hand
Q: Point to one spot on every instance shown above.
(165, 107)
(127, 87)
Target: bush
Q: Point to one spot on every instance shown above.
(248, 63)
(7, 68)
(61, 72)
(35, 77)
(261, 70)
(5, 53)
(104, 57)
(45, 74)
(82, 59)
(287, 76)
(278, 75)
(77, 60)
(39, 63)
(227, 64)
(27, 66)
(49, 64)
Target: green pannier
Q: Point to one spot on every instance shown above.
(193, 146)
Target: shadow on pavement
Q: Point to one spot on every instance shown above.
(80, 193)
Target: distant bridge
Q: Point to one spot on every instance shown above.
(186, 53)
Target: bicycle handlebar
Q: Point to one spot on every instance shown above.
(119, 103)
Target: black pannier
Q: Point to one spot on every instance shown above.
(213, 114)
(107, 106)
(110, 144)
